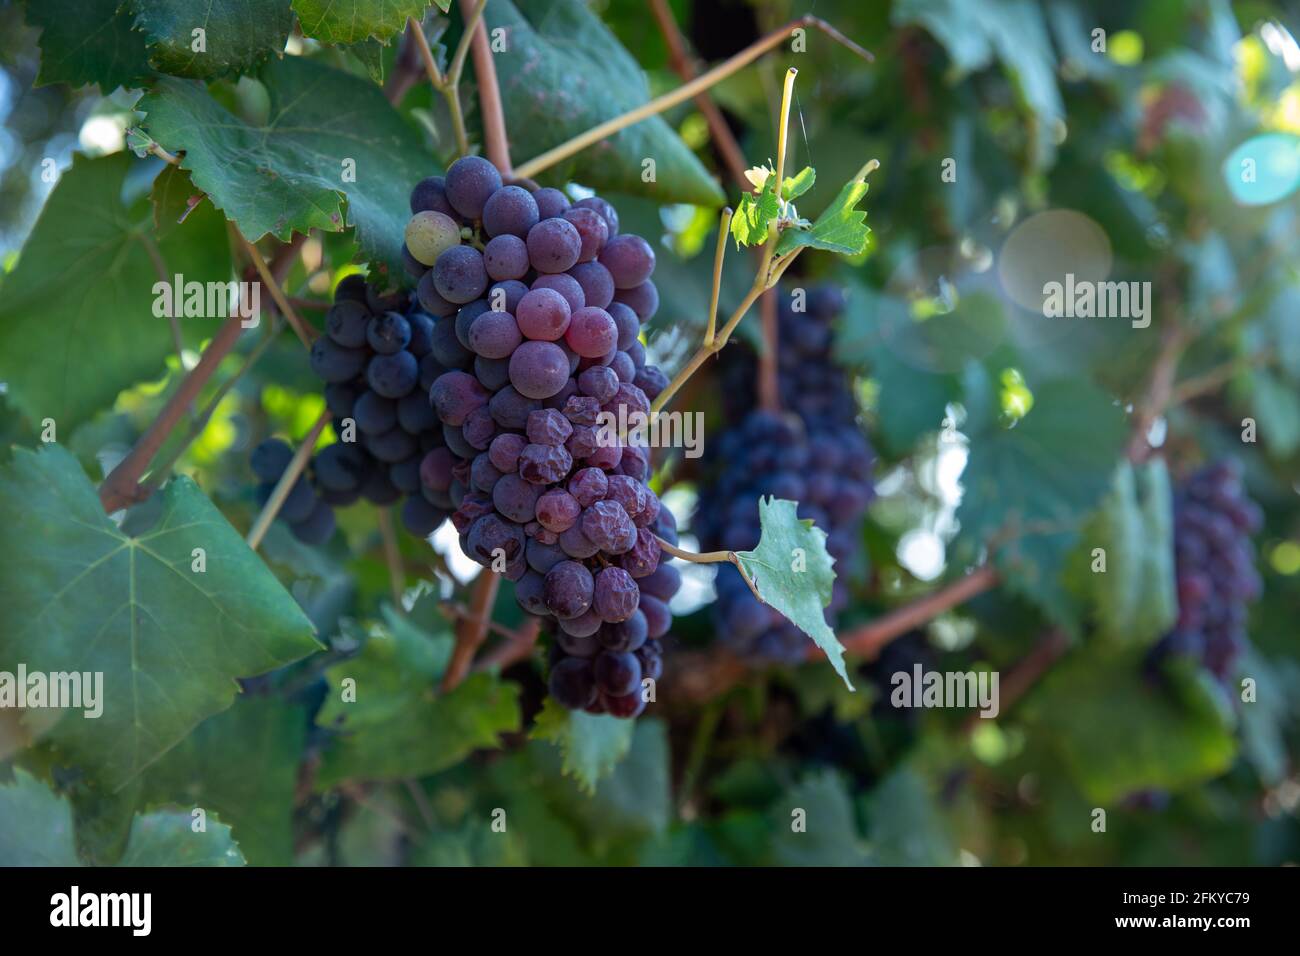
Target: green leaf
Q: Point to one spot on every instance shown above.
(842, 228)
(241, 764)
(1135, 596)
(36, 830)
(80, 596)
(754, 214)
(792, 187)
(1120, 732)
(76, 319)
(975, 31)
(561, 73)
(906, 823)
(394, 671)
(427, 735)
(88, 41)
(1048, 472)
(286, 175)
(239, 34)
(591, 745)
(791, 569)
(827, 835)
(351, 21)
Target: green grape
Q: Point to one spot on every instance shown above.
(429, 234)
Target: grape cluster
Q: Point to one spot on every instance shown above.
(1215, 567)
(813, 453)
(309, 516)
(537, 306)
(373, 357)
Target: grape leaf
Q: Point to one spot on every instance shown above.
(81, 596)
(754, 214)
(792, 187)
(427, 735)
(1121, 732)
(841, 228)
(88, 41)
(351, 21)
(792, 571)
(561, 73)
(76, 319)
(906, 823)
(829, 836)
(287, 175)
(241, 764)
(591, 745)
(1048, 472)
(238, 34)
(975, 31)
(394, 670)
(1135, 597)
(36, 830)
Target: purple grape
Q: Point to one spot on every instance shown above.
(494, 335)
(557, 510)
(592, 231)
(591, 333)
(505, 258)
(572, 683)
(642, 299)
(607, 525)
(511, 409)
(544, 464)
(606, 210)
(546, 426)
(454, 395)
(554, 245)
(543, 315)
(470, 182)
(459, 274)
(629, 259)
(515, 498)
(569, 590)
(566, 285)
(393, 376)
(550, 202)
(510, 211)
(539, 369)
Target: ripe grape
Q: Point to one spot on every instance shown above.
(553, 245)
(543, 314)
(510, 211)
(538, 369)
(629, 259)
(459, 274)
(471, 180)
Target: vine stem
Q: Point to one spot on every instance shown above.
(732, 156)
(1026, 672)
(471, 630)
(684, 92)
(712, 557)
(160, 473)
(867, 640)
(767, 275)
(496, 143)
(122, 486)
(517, 647)
(392, 557)
(306, 334)
(286, 482)
(724, 228)
(1198, 385)
(769, 383)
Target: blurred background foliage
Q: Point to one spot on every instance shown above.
(1134, 149)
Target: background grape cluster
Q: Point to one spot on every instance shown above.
(537, 306)
(1215, 568)
(812, 452)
